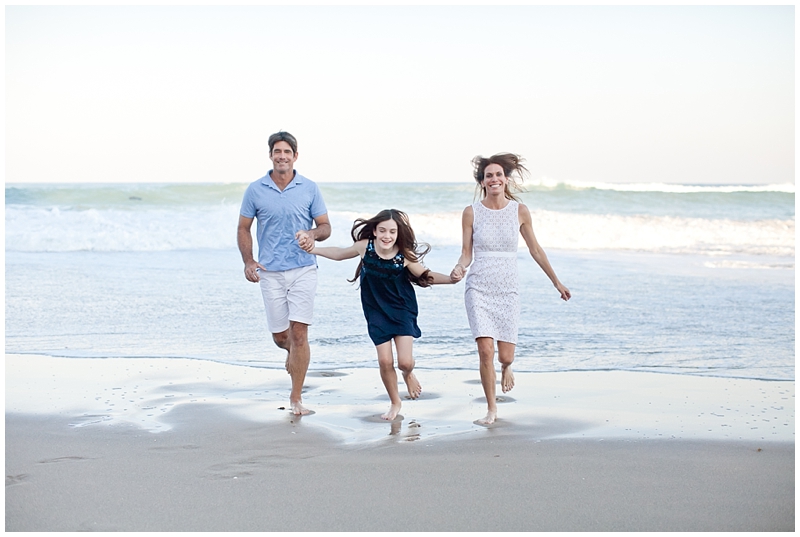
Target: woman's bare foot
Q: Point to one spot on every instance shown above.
(392, 413)
(490, 417)
(507, 379)
(413, 385)
(298, 409)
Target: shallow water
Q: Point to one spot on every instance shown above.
(669, 278)
(628, 312)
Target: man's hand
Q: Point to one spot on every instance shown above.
(305, 240)
(251, 272)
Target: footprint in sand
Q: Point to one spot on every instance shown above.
(326, 374)
(15, 479)
(63, 459)
(498, 398)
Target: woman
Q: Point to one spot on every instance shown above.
(490, 230)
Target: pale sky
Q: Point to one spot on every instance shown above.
(692, 94)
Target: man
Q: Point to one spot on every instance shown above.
(285, 203)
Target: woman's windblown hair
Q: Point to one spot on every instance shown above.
(364, 229)
(513, 169)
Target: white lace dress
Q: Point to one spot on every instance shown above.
(492, 283)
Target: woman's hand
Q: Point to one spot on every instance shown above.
(565, 294)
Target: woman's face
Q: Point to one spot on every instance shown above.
(386, 234)
(494, 180)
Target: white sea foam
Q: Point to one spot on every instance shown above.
(33, 229)
(640, 233)
(546, 182)
(664, 234)
(646, 217)
(739, 264)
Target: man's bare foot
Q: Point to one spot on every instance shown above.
(490, 417)
(392, 413)
(507, 379)
(414, 387)
(298, 409)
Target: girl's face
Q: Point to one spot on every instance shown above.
(386, 234)
(494, 180)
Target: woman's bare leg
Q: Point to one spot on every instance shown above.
(505, 354)
(488, 377)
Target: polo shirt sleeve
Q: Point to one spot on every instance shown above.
(317, 203)
(248, 209)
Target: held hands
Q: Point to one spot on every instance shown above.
(457, 273)
(305, 240)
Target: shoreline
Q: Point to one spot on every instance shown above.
(348, 402)
(183, 445)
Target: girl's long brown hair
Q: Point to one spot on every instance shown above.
(364, 229)
(512, 166)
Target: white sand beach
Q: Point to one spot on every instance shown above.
(190, 445)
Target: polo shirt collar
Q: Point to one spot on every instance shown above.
(267, 180)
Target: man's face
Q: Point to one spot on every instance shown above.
(282, 157)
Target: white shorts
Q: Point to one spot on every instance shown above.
(288, 296)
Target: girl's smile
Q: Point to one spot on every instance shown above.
(386, 237)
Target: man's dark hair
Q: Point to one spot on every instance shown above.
(282, 136)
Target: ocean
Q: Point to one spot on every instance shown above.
(678, 279)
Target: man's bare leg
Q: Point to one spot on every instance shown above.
(296, 339)
(405, 362)
(488, 378)
(281, 339)
(389, 378)
(505, 354)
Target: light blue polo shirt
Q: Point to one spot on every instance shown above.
(280, 215)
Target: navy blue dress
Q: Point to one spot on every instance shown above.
(387, 298)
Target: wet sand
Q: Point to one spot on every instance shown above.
(185, 445)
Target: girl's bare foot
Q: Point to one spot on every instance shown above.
(392, 413)
(507, 379)
(298, 409)
(490, 417)
(413, 385)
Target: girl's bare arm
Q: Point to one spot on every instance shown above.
(357, 249)
(418, 269)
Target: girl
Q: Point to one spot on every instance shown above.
(490, 232)
(390, 263)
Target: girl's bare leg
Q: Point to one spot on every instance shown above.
(488, 377)
(505, 354)
(405, 362)
(389, 378)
